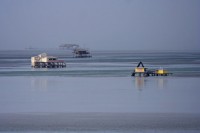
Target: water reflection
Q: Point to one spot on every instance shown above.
(39, 83)
(140, 82)
(156, 82)
(161, 82)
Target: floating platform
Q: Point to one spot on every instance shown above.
(141, 71)
(44, 61)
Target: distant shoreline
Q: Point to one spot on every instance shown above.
(106, 50)
(98, 121)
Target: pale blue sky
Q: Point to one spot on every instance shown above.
(101, 24)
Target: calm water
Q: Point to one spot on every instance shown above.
(101, 84)
(100, 94)
(120, 64)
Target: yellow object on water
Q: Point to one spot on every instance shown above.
(161, 71)
(139, 69)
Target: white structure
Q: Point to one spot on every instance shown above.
(42, 60)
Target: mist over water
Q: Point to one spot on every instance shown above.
(98, 94)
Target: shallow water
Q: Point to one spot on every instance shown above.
(99, 122)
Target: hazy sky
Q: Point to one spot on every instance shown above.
(101, 24)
